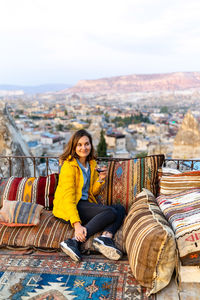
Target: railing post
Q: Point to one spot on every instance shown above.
(34, 167)
(47, 166)
(10, 166)
(22, 166)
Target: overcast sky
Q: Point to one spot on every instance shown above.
(63, 41)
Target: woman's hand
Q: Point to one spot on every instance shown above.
(80, 232)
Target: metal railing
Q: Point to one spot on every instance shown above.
(41, 166)
(21, 166)
(28, 166)
(183, 164)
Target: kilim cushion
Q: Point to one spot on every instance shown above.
(150, 243)
(180, 182)
(127, 178)
(38, 190)
(182, 210)
(18, 213)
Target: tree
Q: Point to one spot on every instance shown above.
(107, 117)
(59, 127)
(42, 159)
(141, 154)
(102, 147)
(164, 110)
(20, 111)
(136, 119)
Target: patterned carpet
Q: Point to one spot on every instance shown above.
(38, 276)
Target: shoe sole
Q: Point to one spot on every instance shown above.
(70, 253)
(107, 251)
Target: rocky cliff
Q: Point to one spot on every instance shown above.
(5, 137)
(187, 140)
(6, 145)
(10, 146)
(138, 83)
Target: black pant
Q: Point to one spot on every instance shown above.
(98, 217)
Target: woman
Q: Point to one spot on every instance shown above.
(74, 202)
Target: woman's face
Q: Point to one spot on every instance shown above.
(83, 147)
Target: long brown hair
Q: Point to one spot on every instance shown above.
(70, 149)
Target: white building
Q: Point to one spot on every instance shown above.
(142, 144)
(31, 135)
(116, 141)
(50, 139)
(116, 145)
(139, 128)
(35, 148)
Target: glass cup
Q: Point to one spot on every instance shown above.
(101, 166)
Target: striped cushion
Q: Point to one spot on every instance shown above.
(127, 178)
(182, 210)
(164, 171)
(18, 213)
(180, 182)
(48, 234)
(38, 190)
(149, 243)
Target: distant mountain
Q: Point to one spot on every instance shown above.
(138, 83)
(44, 88)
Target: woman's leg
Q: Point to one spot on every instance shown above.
(121, 212)
(96, 217)
(105, 244)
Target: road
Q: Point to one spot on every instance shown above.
(19, 141)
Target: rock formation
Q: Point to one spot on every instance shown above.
(187, 140)
(138, 83)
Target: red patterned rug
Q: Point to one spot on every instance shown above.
(41, 276)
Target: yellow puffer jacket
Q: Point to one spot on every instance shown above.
(69, 190)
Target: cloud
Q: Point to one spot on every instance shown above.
(67, 40)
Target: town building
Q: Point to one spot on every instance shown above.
(50, 139)
(116, 145)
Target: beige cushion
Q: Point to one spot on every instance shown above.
(180, 182)
(164, 171)
(149, 243)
